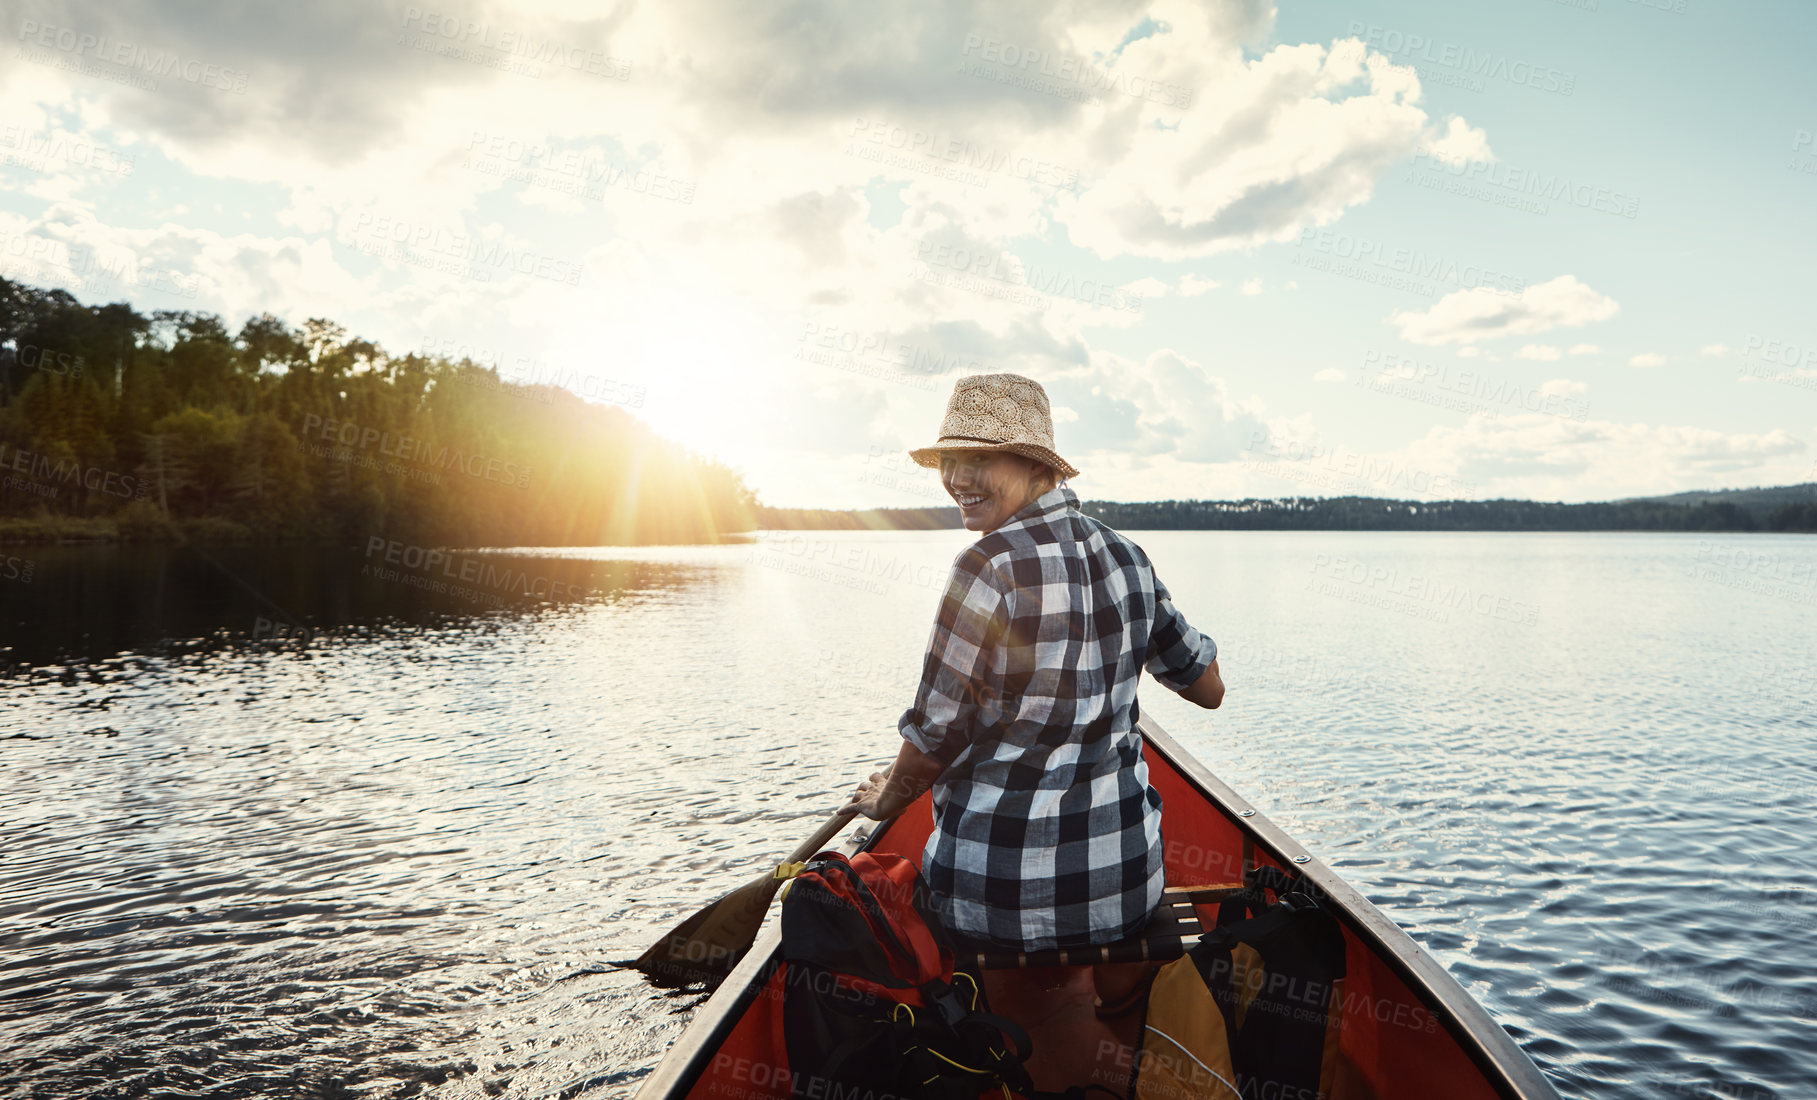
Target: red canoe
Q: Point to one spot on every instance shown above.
(1408, 1030)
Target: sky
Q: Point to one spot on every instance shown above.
(1552, 249)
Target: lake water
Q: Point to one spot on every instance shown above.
(367, 823)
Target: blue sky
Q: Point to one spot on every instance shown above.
(1534, 248)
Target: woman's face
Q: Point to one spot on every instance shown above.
(990, 486)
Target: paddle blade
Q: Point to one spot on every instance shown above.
(706, 946)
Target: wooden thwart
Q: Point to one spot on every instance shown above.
(1175, 928)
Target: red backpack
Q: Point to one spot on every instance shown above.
(871, 1003)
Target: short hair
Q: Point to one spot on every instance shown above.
(1047, 475)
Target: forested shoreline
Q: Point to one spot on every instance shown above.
(1375, 514)
(1365, 514)
(122, 426)
(117, 425)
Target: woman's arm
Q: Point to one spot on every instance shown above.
(889, 792)
(1182, 659)
(1208, 689)
(956, 679)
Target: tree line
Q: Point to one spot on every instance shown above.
(1361, 514)
(118, 424)
(1375, 514)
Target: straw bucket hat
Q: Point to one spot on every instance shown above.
(997, 412)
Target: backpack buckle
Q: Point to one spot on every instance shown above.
(941, 997)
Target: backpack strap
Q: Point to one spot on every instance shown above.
(1271, 878)
(1252, 903)
(1021, 1046)
(1275, 916)
(867, 902)
(959, 1020)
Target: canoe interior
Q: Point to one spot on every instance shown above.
(1393, 1046)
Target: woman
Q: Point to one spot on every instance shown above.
(1047, 833)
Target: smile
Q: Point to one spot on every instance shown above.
(969, 500)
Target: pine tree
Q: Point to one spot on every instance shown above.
(162, 475)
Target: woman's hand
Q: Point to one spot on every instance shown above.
(870, 799)
(889, 792)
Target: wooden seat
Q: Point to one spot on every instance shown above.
(1176, 927)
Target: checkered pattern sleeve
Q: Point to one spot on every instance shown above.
(957, 675)
(1177, 654)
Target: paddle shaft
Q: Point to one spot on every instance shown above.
(709, 943)
(828, 830)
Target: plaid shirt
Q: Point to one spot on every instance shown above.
(1046, 832)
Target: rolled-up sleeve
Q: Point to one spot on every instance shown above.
(1177, 654)
(957, 675)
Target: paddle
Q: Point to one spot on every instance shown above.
(706, 946)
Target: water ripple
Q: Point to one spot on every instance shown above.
(392, 861)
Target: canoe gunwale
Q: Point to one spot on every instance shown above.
(684, 1062)
(1508, 1068)
(1490, 1046)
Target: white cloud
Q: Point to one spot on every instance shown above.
(839, 416)
(1132, 446)
(1716, 351)
(1531, 456)
(1191, 286)
(1543, 352)
(179, 267)
(1164, 405)
(1647, 359)
(767, 122)
(1585, 349)
(1541, 457)
(1273, 145)
(1460, 144)
(766, 126)
(1466, 316)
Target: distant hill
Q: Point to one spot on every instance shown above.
(1754, 500)
(1791, 508)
